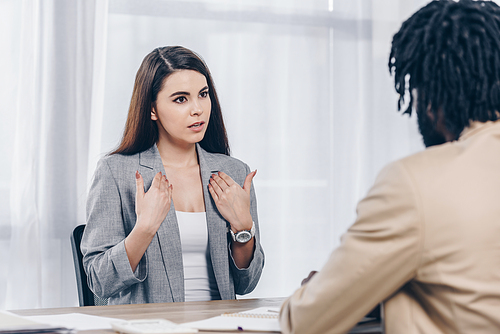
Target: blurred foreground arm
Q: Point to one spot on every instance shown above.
(378, 255)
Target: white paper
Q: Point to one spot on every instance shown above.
(78, 321)
(251, 320)
(264, 311)
(11, 320)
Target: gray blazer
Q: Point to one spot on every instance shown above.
(159, 277)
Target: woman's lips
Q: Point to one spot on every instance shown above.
(198, 126)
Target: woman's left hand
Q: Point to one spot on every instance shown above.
(232, 201)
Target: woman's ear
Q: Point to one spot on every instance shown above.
(153, 115)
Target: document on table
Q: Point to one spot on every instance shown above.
(262, 319)
(12, 323)
(78, 321)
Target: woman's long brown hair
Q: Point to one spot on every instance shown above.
(141, 132)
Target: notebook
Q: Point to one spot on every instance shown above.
(262, 319)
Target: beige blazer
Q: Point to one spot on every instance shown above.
(426, 241)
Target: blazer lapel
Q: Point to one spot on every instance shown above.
(168, 236)
(217, 226)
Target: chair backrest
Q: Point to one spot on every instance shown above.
(85, 296)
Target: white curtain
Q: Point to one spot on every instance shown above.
(10, 14)
(305, 93)
(50, 149)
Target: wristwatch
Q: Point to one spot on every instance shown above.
(243, 236)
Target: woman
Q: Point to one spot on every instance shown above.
(171, 216)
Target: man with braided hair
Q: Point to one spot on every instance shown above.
(426, 241)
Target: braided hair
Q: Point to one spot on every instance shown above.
(450, 52)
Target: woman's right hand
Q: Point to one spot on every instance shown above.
(152, 207)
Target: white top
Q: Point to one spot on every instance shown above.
(199, 279)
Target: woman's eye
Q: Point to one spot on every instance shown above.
(180, 99)
(204, 94)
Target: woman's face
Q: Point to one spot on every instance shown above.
(183, 108)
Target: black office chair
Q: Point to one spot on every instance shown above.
(85, 296)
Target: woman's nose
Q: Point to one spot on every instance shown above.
(196, 110)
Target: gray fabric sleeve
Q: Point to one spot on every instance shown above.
(104, 257)
(245, 280)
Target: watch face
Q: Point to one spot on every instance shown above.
(243, 236)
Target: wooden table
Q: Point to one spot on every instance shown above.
(176, 312)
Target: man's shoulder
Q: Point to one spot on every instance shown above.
(480, 137)
(432, 157)
(422, 168)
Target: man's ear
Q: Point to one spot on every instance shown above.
(440, 125)
(430, 114)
